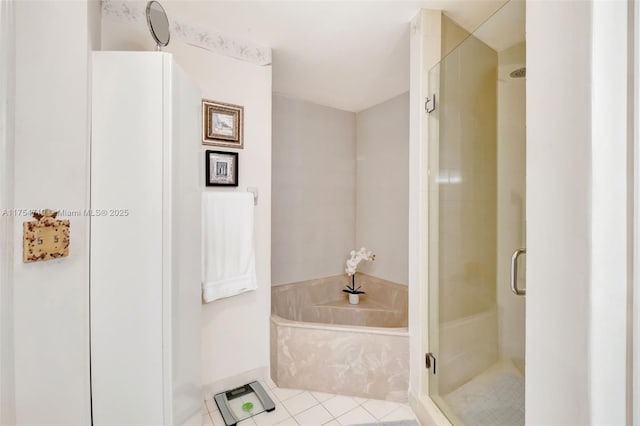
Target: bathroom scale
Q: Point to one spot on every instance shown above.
(241, 403)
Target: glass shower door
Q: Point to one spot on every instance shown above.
(476, 160)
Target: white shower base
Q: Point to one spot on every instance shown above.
(493, 398)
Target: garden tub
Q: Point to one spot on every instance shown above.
(320, 342)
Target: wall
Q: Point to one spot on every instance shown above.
(558, 212)
(7, 105)
(382, 187)
(51, 299)
(611, 225)
(235, 331)
(314, 183)
(511, 201)
(318, 218)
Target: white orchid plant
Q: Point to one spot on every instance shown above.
(352, 266)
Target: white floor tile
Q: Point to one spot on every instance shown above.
(338, 405)
(356, 416)
(296, 407)
(269, 419)
(321, 396)
(403, 412)
(205, 410)
(300, 403)
(289, 422)
(315, 416)
(283, 393)
(273, 396)
(360, 400)
(379, 408)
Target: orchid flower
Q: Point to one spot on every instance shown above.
(356, 257)
(352, 266)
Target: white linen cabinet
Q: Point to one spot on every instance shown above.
(145, 241)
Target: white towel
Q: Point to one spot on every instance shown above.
(228, 264)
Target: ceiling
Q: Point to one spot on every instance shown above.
(345, 54)
(506, 27)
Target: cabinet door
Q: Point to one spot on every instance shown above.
(126, 238)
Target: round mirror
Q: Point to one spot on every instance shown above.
(158, 23)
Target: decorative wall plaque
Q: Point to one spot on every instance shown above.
(45, 238)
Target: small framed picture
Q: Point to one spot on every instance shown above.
(221, 168)
(222, 124)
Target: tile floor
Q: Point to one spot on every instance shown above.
(495, 397)
(296, 407)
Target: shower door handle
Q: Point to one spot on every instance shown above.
(514, 272)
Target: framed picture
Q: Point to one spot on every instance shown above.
(222, 124)
(221, 168)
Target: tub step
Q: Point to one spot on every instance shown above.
(364, 305)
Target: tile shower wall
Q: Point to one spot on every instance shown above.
(511, 201)
(314, 181)
(382, 187)
(467, 180)
(465, 223)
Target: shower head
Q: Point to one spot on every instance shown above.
(519, 73)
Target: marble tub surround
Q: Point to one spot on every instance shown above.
(359, 361)
(320, 342)
(322, 300)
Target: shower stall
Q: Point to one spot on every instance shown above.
(475, 157)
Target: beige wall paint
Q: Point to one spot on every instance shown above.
(235, 331)
(314, 190)
(51, 299)
(511, 201)
(382, 187)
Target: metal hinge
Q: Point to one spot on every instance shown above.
(429, 361)
(430, 104)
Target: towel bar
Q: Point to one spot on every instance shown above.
(254, 191)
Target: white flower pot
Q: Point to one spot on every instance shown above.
(354, 299)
